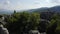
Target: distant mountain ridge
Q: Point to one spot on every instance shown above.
(3, 11)
(43, 9)
(55, 9)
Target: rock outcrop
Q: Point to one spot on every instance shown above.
(3, 30)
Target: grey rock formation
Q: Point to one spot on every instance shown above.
(43, 33)
(34, 32)
(3, 30)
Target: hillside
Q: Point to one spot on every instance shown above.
(44, 9)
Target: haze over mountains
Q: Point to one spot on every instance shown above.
(43, 9)
(4, 11)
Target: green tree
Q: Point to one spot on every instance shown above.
(14, 11)
(22, 22)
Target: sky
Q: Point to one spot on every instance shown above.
(27, 4)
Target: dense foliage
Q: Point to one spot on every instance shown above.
(23, 22)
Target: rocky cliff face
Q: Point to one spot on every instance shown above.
(3, 30)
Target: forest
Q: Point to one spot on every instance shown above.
(23, 22)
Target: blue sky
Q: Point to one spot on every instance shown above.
(27, 4)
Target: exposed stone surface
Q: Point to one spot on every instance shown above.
(34, 32)
(3, 30)
(43, 33)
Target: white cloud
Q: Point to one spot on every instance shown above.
(6, 5)
(6, 2)
(55, 1)
(18, 5)
(36, 4)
